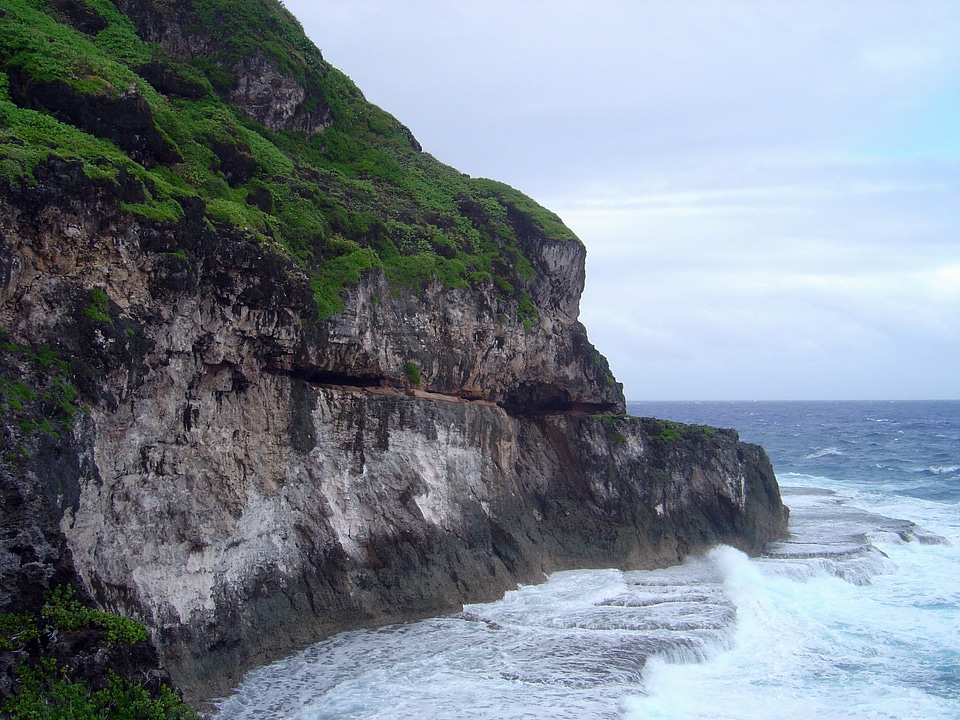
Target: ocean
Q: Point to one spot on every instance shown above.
(856, 615)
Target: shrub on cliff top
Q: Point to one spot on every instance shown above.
(670, 431)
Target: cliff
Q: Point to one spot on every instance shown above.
(271, 371)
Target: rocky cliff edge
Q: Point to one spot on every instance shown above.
(270, 371)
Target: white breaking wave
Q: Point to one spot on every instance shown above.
(938, 470)
(823, 452)
(856, 615)
(566, 649)
(879, 638)
(830, 624)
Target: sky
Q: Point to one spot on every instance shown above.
(768, 191)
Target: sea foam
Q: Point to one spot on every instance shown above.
(856, 615)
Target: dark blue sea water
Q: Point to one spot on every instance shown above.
(856, 615)
(900, 448)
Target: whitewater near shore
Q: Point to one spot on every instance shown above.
(856, 615)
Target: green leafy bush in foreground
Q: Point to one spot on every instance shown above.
(64, 612)
(45, 688)
(45, 694)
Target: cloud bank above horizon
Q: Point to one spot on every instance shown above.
(769, 193)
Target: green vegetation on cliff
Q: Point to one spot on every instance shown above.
(54, 651)
(670, 431)
(36, 399)
(311, 170)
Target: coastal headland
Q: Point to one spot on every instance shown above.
(271, 371)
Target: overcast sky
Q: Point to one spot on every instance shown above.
(769, 192)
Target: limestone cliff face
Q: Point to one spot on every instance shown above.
(250, 473)
(244, 485)
(461, 345)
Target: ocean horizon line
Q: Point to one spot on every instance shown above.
(820, 400)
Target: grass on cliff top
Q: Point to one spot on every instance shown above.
(671, 431)
(356, 196)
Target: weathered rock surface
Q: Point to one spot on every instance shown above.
(262, 90)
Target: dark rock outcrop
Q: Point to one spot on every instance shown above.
(124, 118)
